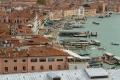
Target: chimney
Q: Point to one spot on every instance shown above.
(9, 55)
(42, 50)
(14, 50)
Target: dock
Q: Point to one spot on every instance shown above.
(72, 33)
(80, 35)
(108, 62)
(93, 34)
(68, 32)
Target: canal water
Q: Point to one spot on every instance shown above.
(108, 31)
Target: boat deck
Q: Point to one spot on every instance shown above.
(81, 35)
(108, 62)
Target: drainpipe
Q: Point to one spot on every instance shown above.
(74, 60)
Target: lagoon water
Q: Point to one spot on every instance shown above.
(108, 31)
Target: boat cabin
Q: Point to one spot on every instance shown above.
(80, 43)
(77, 26)
(68, 32)
(95, 22)
(117, 59)
(108, 55)
(96, 42)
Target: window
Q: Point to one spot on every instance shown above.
(15, 60)
(56, 78)
(42, 59)
(5, 61)
(34, 60)
(41, 68)
(65, 66)
(15, 69)
(59, 59)
(24, 60)
(24, 68)
(59, 67)
(51, 59)
(75, 67)
(6, 69)
(50, 67)
(33, 68)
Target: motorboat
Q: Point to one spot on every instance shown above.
(85, 54)
(95, 64)
(95, 22)
(95, 42)
(101, 48)
(101, 16)
(77, 25)
(82, 22)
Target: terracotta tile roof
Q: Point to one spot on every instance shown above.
(33, 51)
(46, 51)
(1, 31)
(4, 35)
(37, 40)
(3, 16)
(29, 0)
(12, 52)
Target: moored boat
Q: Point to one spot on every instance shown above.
(95, 42)
(82, 22)
(101, 48)
(95, 22)
(85, 54)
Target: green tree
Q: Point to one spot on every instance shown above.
(42, 2)
(86, 5)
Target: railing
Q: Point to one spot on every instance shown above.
(77, 62)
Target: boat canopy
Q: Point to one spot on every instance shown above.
(96, 41)
(69, 31)
(79, 42)
(69, 57)
(116, 57)
(75, 55)
(109, 54)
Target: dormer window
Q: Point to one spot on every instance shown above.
(9, 20)
(31, 40)
(4, 20)
(18, 21)
(27, 20)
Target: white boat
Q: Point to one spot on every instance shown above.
(101, 48)
(96, 42)
(95, 22)
(119, 13)
(77, 26)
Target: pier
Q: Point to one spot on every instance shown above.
(108, 62)
(80, 35)
(72, 33)
(68, 32)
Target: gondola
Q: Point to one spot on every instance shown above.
(84, 54)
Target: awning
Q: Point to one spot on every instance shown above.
(109, 54)
(75, 55)
(70, 57)
(116, 57)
